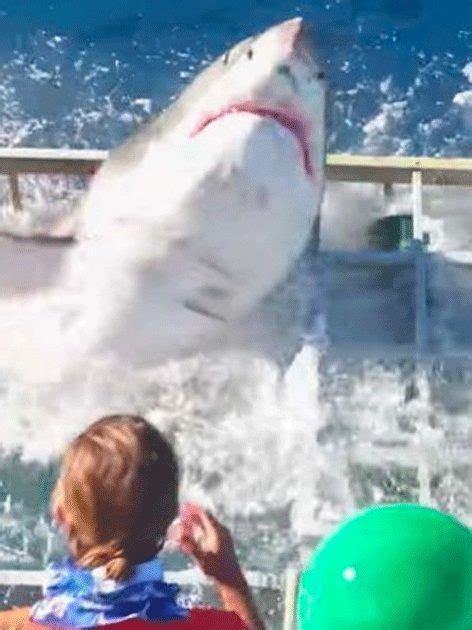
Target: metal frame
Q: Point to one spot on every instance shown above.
(388, 170)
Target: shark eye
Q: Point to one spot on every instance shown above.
(321, 76)
(250, 53)
(226, 59)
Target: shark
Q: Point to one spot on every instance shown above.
(186, 227)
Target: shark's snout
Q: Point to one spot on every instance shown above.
(297, 37)
(290, 29)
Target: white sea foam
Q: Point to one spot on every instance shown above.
(379, 131)
(229, 413)
(464, 99)
(467, 71)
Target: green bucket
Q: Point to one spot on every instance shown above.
(392, 233)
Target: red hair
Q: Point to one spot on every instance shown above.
(117, 493)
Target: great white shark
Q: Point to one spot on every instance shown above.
(187, 226)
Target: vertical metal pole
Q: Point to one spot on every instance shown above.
(421, 314)
(421, 324)
(15, 192)
(290, 597)
(387, 198)
(387, 192)
(417, 198)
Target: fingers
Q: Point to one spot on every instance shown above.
(179, 535)
(200, 535)
(188, 546)
(208, 521)
(190, 512)
(189, 536)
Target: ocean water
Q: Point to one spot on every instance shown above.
(282, 457)
(85, 75)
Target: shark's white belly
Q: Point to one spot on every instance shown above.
(229, 225)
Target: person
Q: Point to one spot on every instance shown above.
(396, 567)
(115, 500)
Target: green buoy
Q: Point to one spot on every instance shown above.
(396, 567)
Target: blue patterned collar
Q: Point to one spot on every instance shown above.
(81, 598)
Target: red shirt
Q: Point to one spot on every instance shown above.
(199, 619)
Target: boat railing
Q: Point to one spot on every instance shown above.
(386, 170)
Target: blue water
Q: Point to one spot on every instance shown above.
(84, 74)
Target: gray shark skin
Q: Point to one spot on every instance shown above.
(187, 226)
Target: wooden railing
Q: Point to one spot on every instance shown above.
(387, 170)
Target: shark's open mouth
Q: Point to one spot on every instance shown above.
(286, 119)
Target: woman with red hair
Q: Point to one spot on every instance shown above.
(115, 500)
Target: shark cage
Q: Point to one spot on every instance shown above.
(391, 384)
